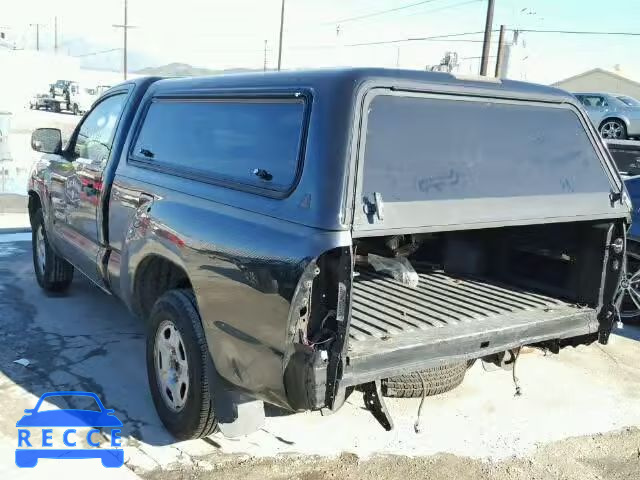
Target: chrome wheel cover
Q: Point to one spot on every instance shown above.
(611, 129)
(628, 293)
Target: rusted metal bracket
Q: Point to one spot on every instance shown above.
(374, 402)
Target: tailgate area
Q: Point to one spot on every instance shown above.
(396, 328)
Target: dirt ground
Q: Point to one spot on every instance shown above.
(613, 456)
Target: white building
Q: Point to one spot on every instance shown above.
(600, 80)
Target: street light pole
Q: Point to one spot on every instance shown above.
(124, 31)
(487, 39)
(125, 28)
(500, 52)
(37, 25)
(281, 29)
(264, 67)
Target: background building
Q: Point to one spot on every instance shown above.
(600, 80)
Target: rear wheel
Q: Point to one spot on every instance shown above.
(53, 272)
(76, 110)
(437, 380)
(179, 367)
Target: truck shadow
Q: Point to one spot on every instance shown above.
(82, 341)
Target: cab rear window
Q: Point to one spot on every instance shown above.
(249, 142)
(422, 148)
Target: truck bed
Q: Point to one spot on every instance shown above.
(395, 328)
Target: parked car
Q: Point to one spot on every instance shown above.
(615, 116)
(626, 155)
(292, 236)
(38, 101)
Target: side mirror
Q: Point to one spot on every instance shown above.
(47, 140)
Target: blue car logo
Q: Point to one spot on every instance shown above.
(27, 456)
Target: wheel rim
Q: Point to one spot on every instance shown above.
(611, 130)
(627, 299)
(172, 368)
(41, 249)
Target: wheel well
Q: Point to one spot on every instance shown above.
(155, 276)
(34, 205)
(612, 118)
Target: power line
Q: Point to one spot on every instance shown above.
(415, 39)
(375, 14)
(578, 32)
(521, 30)
(97, 53)
(390, 42)
(422, 12)
(447, 7)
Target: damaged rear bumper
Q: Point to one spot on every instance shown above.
(306, 373)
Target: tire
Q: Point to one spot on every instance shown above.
(189, 413)
(437, 380)
(76, 110)
(53, 273)
(628, 310)
(612, 128)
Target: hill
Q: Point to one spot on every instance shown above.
(186, 70)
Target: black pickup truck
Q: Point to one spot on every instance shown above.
(290, 237)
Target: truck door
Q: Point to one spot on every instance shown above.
(80, 184)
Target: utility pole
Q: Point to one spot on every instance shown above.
(37, 25)
(125, 27)
(264, 68)
(55, 34)
(281, 29)
(500, 52)
(487, 39)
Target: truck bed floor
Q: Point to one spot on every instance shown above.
(395, 327)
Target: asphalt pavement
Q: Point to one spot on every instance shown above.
(86, 340)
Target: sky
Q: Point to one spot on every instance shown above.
(222, 34)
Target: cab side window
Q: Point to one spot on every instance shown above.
(253, 142)
(96, 133)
